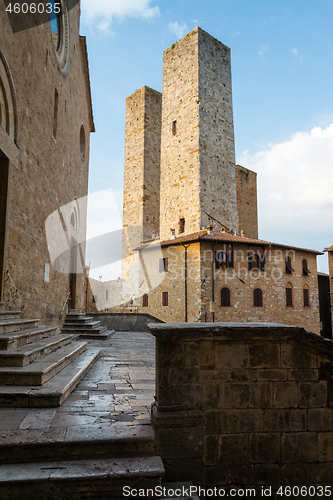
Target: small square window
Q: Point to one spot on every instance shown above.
(174, 127)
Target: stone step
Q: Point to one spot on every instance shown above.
(42, 370)
(29, 353)
(89, 442)
(10, 315)
(78, 319)
(103, 479)
(82, 330)
(106, 334)
(53, 393)
(86, 326)
(12, 325)
(26, 336)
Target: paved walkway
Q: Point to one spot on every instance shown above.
(115, 396)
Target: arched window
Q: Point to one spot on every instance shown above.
(289, 295)
(257, 297)
(56, 25)
(305, 268)
(225, 297)
(221, 260)
(306, 296)
(145, 300)
(74, 219)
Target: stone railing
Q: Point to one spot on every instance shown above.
(244, 405)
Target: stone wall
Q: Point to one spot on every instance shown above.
(244, 405)
(247, 207)
(48, 157)
(125, 322)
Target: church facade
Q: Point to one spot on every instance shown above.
(46, 120)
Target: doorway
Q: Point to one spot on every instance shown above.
(4, 170)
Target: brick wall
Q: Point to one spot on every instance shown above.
(244, 405)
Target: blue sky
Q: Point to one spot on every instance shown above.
(282, 71)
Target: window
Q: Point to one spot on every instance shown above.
(224, 260)
(256, 261)
(106, 294)
(181, 225)
(94, 299)
(289, 269)
(305, 268)
(55, 23)
(165, 298)
(164, 265)
(174, 127)
(82, 143)
(145, 300)
(225, 297)
(306, 298)
(257, 298)
(289, 295)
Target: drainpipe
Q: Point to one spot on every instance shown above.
(186, 247)
(213, 279)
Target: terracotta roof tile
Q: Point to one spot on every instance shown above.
(227, 237)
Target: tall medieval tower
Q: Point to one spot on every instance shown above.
(142, 160)
(198, 172)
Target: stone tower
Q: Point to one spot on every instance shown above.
(198, 172)
(142, 160)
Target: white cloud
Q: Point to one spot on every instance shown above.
(294, 51)
(177, 29)
(295, 185)
(99, 14)
(262, 49)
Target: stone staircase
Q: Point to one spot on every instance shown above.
(38, 367)
(85, 326)
(79, 466)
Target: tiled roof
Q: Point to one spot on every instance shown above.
(329, 249)
(229, 238)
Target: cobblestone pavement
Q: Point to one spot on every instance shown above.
(115, 395)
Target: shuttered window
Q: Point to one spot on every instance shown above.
(257, 297)
(289, 269)
(289, 296)
(145, 300)
(305, 268)
(165, 298)
(225, 297)
(164, 265)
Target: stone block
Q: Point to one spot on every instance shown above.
(293, 356)
(325, 447)
(272, 374)
(268, 474)
(211, 450)
(320, 419)
(192, 354)
(285, 420)
(216, 422)
(299, 473)
(171, 443)
(302, 375)
(195, 441)
(323, 473)
(235, 395)
(207, 354)
(265, 355)
(235, 449)
(216, 476)
(243, 375)
(312, 395)
(261, 395)
(240, 474)
(246, 420)
(285, 394)
(299, 447)
(207, 376)
(178, 468)
(231, 356)
(210, 395)
(182, 375)
(264, 448)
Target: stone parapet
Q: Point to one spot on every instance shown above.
(243, 404)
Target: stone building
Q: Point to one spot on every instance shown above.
(46, 120)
